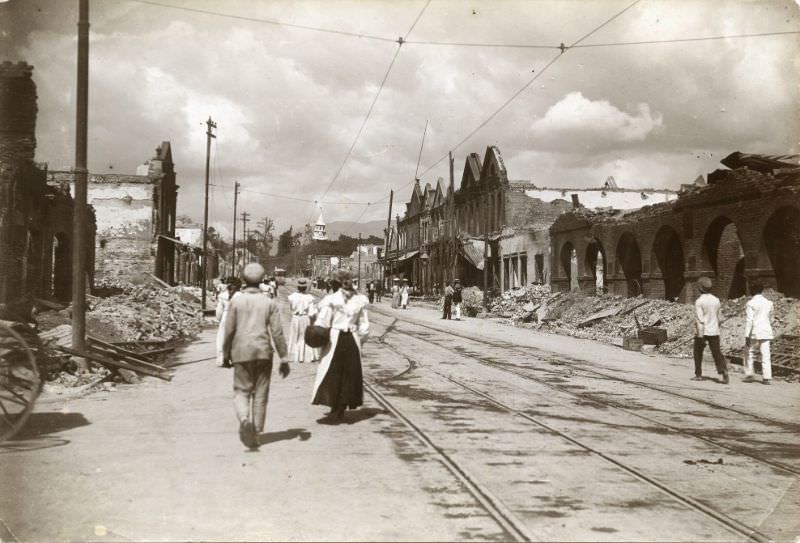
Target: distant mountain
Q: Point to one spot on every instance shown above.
(348, 228)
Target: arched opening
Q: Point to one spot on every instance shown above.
(668, 255)
(61, 268)
(782, 241)
(723, 252)
(569, 263)
(596, 264)
(629, 258)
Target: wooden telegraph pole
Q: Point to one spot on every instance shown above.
(79, 241)
(486, 262)
(210, 125)
(235, 201)
(387, 263)
(359, 260)
(245, 220)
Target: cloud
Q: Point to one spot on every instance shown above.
(578, 122)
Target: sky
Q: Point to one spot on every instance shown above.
(290, 102)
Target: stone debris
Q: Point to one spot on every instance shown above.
(610, 318)
(124, 312)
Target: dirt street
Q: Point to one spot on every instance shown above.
(470, 430)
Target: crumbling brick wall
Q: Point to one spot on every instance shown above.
(694, 226)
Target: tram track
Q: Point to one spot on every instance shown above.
(571, 363)
(500, 512)
(592, 398)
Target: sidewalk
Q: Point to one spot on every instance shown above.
(162, 461)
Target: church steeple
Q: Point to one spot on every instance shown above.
(319, 229)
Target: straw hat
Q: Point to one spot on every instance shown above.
(253, 273)
(704, 284)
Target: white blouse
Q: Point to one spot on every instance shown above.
(346, 315)
(302, 304)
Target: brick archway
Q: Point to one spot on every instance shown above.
(569, 264)
(668, 256)
(61, 267)
(782, 245)
(723, 252)
(629, 260)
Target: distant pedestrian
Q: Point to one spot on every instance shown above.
(339, 377)
(232, 286)
(707, 308)
(404, 292)
(379, 291)
(447, 312)
(458, 298)
(395, 293)
(371, 291)
(252, 326)
(301, 304)
(758, 334)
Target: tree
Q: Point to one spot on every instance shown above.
(183, 220)
(287, 240)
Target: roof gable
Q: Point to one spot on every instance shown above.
(472, 171)
(493, 165)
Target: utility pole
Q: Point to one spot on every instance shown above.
(387, 262)
(209, 134)
(235, 201)
(486, 262)
(79, 214)
(398, 243)
(359, 260)
(453, 227)
(268, 224)
(245, 220)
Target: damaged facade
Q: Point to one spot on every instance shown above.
(445, 231)
(743, 226)
(36, 224)
(135, 219)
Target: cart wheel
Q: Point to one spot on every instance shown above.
(20, 383)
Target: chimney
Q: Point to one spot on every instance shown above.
(17, 112)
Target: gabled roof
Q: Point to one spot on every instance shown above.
(493, 163)
(472, 171)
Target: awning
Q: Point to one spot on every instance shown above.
(473, 251)
(406, 256)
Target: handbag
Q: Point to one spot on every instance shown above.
(317, 336)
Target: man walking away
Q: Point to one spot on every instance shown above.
(707, 330)
(457, 298)
(448, 302)
(758, 334)
(371, 291)
(252, 319)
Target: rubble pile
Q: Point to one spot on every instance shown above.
(145, 312)
(472, 301)
(610, 318)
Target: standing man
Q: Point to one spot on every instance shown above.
(371, 291)
(457, 297)
(448, 302)
(758, 334)
(253, 319)
(707, 330)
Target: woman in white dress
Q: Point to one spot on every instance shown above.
(301, 304)
(339, 378)
(223, 303)
(404, 294)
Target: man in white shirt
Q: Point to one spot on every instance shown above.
(758, 334)
(707, 331)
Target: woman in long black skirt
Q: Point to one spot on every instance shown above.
(339, 378)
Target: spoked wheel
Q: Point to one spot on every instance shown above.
(20, 383)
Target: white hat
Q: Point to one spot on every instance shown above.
(253, 273)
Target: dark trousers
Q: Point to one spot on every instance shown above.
(448, 308)
(371, 296)
(699, 347)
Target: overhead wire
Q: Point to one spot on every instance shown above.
(266, 21)
(522, 89)
(374, 100)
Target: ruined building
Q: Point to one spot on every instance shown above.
(444, 231)
(135, 218)
(36, 226)
(743, 226)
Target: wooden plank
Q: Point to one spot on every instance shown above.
(109, 362)
(133, 361)
(115, 348)
(159, 281)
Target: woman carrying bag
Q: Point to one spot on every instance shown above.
(339, 378)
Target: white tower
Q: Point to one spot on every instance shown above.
(319, 229)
